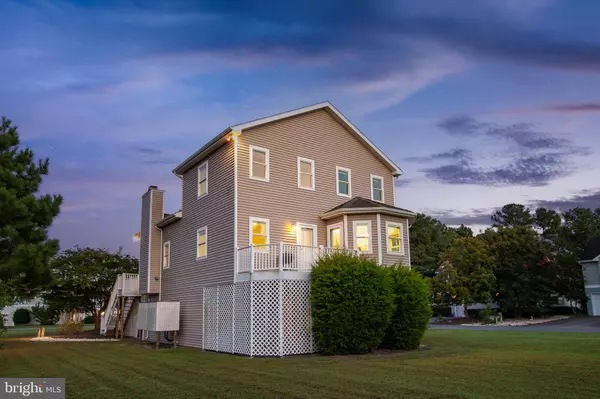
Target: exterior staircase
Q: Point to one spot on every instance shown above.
(123, 295)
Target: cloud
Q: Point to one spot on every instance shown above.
(402, 182)
(571, 108)
(147, 150)
(462, 125)
(584, 199)
(535, 170)
(472, 217)
(457, 153)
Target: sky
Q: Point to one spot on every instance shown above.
(481, 103)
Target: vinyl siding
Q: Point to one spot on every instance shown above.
(155, 241)
(183, 281)
(591, 274)
(144, 242)
(317, 136)
(388, 259)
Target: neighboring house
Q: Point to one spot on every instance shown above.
(590, 262)
(262, 201)
(9, 311)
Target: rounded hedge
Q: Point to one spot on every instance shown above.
(412, 309)
(351, 304)
(21, 316)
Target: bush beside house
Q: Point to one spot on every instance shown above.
(21, 316)
(45, 315)
(412, 310)
(351, 304)
(358, 306)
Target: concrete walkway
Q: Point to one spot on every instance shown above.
(576, 324)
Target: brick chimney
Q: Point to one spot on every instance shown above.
(150, 241)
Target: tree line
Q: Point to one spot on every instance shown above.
(525, 262)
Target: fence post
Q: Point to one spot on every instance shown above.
(251, 301)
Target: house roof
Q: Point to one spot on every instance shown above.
(222, 137)
(169, 218)
(358, 205)
(592, 249)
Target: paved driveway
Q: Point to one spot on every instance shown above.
(576, 324)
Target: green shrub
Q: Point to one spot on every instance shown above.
(2, 328)
(412, 309)
(351, 304)
(90, 319)
(21, 316)
(45, 315)
(70, 328)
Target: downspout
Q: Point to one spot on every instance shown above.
(234, 137)
(408, 239)
(162, 258)
(379, 249)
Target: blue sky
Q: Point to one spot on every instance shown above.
(480, 102)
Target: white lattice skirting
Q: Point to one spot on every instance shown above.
(258, 318)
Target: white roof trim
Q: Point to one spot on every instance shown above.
(356, 211)
(324, 105)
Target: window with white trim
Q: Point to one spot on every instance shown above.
(259, 163)
(259, 233)
(167, 255)
(343, 182)
(201, 243)
(334, 235)
(362, 236)
(394, 238)
(202, 179)
(377, 188)
(306, 173)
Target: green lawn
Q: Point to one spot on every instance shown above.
(459, 364)
(31, 331)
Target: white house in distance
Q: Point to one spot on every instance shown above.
(590, 262)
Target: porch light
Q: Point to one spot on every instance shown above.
(233, 135)
(136, 237)
(294, 229)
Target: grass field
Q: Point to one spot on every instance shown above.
(31, 331)
(459, 364)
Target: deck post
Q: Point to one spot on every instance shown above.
(251, 301)
(280, 257)
(175, 339)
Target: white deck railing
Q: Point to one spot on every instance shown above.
(282, 257)
(127, 284)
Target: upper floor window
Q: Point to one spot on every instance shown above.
(343, 182)
(259, 163)
(377, 188)
(201, 243)
(394, 238)
(362, 236)
(259, 232)
(306, 173)
(202, 179)
(167, 255)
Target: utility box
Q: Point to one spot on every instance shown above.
(158, 316)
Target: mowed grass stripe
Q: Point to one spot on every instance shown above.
(459, 364)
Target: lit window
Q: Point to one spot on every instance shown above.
(306, 173)
(167, 255)
(377, 188)
(259, 232)
(335, 237)
(259, 163)
(395, 239)
(362, 236)
(343, 182)
(201, 243)
(202, 179)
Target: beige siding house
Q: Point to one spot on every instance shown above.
(261, 203)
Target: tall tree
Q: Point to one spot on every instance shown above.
(25, 216)
(580, 225)
(466, 271)
(524, 269)
(462, 231)
(83, 279)
(429, 238)
(512, 215)
(548, 221)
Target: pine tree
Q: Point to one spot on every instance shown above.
(25, 216)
